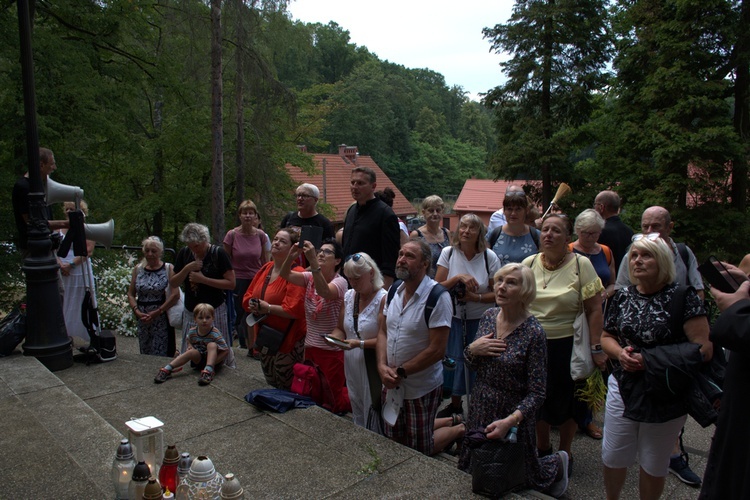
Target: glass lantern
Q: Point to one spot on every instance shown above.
(168, 470)
(139, 481)
(122, 469)
(147, 437)
(202, 481)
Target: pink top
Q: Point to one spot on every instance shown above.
(322, 315)
(247, 252)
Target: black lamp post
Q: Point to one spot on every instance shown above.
(46, 337)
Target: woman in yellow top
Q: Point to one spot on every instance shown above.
(562, 280)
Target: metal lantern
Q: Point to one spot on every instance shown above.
(147, 437)
(152, 491)
(231, 489)
(122, 469)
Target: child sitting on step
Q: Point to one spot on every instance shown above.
(206, 348)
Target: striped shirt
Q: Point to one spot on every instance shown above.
(200, 342)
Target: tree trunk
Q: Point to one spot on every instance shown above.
(217, 130)
(546, 105)
(240, 104)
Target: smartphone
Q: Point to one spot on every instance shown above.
(313, 234)
(718, 276)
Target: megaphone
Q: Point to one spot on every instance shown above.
(60, 193)
(102, 233)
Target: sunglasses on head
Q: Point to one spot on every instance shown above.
(355, 257)
(548, 216)
(648, 236)
(515, 194)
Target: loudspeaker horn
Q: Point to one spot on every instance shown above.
(60, 193)
(102, 233)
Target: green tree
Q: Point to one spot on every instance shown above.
(671, 111)
(558, 52)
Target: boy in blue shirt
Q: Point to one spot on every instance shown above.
(206, 348)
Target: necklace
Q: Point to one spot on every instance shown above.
(551, 269)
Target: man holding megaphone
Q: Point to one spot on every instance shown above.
(21, 210)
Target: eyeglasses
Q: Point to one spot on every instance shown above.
(326, 251)
(303, 196)
(515, 194)
(590, 233)
(648, 236)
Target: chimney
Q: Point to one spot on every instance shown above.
(348, 152)
(302, 148)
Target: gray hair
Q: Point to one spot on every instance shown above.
(528, 282)
(195, 233)
(471, 220)
(424, 248)
(310, 189)
(151, 241)
(588, 218)
(361, 263)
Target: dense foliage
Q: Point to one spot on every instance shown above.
(649, 97)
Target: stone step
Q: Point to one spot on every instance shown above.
(56, 438)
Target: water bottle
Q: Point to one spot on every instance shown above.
(512, 436)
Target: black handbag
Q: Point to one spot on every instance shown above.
(374, 415)
(269, 339)
(497, 468)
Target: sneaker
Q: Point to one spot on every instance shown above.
(560, 486)
(449, 410)
(680, 468)
(162, 376)
(544, 453)
(206, 377)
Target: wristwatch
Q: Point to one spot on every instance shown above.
(401, 372)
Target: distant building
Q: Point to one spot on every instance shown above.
(483, 197)
(333, 174)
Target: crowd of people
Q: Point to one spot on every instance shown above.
(396, 324)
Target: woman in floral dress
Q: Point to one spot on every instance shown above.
(148, 298)
(510, 357)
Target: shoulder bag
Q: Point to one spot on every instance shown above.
(269, 339)
(174, 313)
(374, 417)
(581, 363)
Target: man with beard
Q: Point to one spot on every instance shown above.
(410, 353)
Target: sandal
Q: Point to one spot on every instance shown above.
(593, 431)
(206, 377)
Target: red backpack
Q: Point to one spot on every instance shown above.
(309, 381)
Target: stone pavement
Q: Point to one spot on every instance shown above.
(61, 430)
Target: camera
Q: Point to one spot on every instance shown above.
(458, 291)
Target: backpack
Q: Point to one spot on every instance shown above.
(495, 234)
(432, 298)
(309, 380)
(682, 250)
(486, 262)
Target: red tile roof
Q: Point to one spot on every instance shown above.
(481, 195)
(335, 190)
